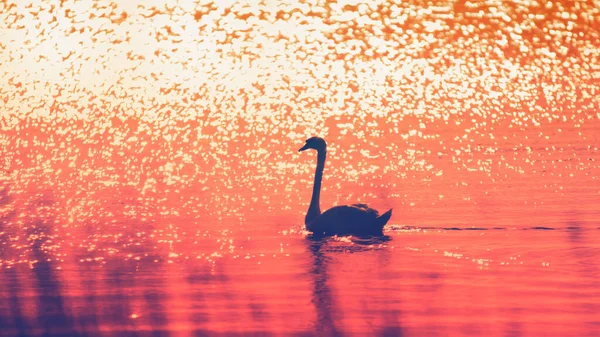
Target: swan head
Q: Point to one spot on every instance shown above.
(315, 143)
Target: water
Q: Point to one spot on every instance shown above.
(150, 182)
(434, 282)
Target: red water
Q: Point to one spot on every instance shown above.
(150, 179)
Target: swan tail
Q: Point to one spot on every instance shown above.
(381, 220)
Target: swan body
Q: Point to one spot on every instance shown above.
(356, 219)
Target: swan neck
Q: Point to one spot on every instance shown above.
(314, 210)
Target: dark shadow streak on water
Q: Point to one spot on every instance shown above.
(15, 320)
(155, 298)
(321, 295)
(392, 316)
(119, 308)
(52, 317)
(88, 319)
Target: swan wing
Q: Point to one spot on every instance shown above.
(364, 208)
(345, 219)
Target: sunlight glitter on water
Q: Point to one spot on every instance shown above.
(138, 113)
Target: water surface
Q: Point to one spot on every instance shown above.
(150, 182)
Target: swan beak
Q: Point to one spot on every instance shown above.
(305, 147)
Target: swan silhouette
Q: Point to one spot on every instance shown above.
(356, 219)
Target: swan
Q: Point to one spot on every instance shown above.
(356, 219)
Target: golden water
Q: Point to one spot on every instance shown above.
(151, 185)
